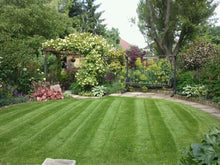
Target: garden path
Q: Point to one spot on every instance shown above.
(206, 108)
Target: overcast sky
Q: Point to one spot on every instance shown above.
(117, 14)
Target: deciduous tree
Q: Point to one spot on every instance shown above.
(170, 23)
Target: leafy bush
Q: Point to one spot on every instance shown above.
(100, 57)
(114, 88)
(45, 94)
(99, 91)
(206, 153)
(133, 53)
(198, 54)
(186, 78)
(195, 91)
(158, 72)
(210, 77)
(76, 88)
(13, 100)
(67, 96)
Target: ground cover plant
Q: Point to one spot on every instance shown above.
(110, 130)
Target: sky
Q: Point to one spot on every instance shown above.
(117, 14)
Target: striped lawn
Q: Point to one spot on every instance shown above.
(106, 131)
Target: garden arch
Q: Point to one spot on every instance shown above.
(172, 58)
(57, 53)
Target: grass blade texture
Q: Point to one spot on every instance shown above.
(104, 131)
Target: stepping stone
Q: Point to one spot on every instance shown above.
(50, 161)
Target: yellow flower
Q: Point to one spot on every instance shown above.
(38, 69)
(44, 79)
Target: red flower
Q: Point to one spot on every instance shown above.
(210, 79)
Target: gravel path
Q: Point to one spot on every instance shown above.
(209, 109)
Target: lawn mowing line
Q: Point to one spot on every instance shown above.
(173, 123)
(150, 130)
(202, 117)
(26, 118)
(36, 125)
(122, 142)
(39, 132)
(188, 121)
(97, 143)
(64, 133)
(162, 135)
(83, 139)
(11, 113)
(143, 138)
(113, 126)
(81, 121)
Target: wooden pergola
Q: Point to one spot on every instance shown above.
(56, 52)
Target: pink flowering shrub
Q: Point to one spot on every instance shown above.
(45, 94)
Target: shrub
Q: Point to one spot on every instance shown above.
(195, 91)
(186, 78)
(45, 94)
(133, 53)
(210, 76)
(13, 100)
(198, 54)
(206, 153)
(115, 87)
(99, 91)
(76, 88)
(67, 96)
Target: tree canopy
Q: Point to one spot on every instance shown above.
(85, 16)
(169, 24)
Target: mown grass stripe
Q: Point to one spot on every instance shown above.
(143, 145)
(188, 121)
(160, 134)
(104, 130)
(18, 123)
(72, 123)
(82, 136)
(175, 125)
(122, 143)
(42, 130)
(9, 114)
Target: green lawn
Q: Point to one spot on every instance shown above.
(106, 131)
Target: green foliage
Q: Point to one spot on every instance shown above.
(195, 91)
(114, 87)
(67, 96)
(210, 76)
(144, 89)
(99, 91)
(13, 100)
(24, 26)
(158, 73)
(198, 54)
(163, 21)
(112, 37)
(85, 16)
(100, 57)
(76, 88)
(208, 152)
(186, 78)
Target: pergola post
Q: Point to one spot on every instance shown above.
(174, 77)
(45, 64)
(126, 80)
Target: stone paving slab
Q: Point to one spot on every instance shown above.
(49, 161)
(209, 109)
